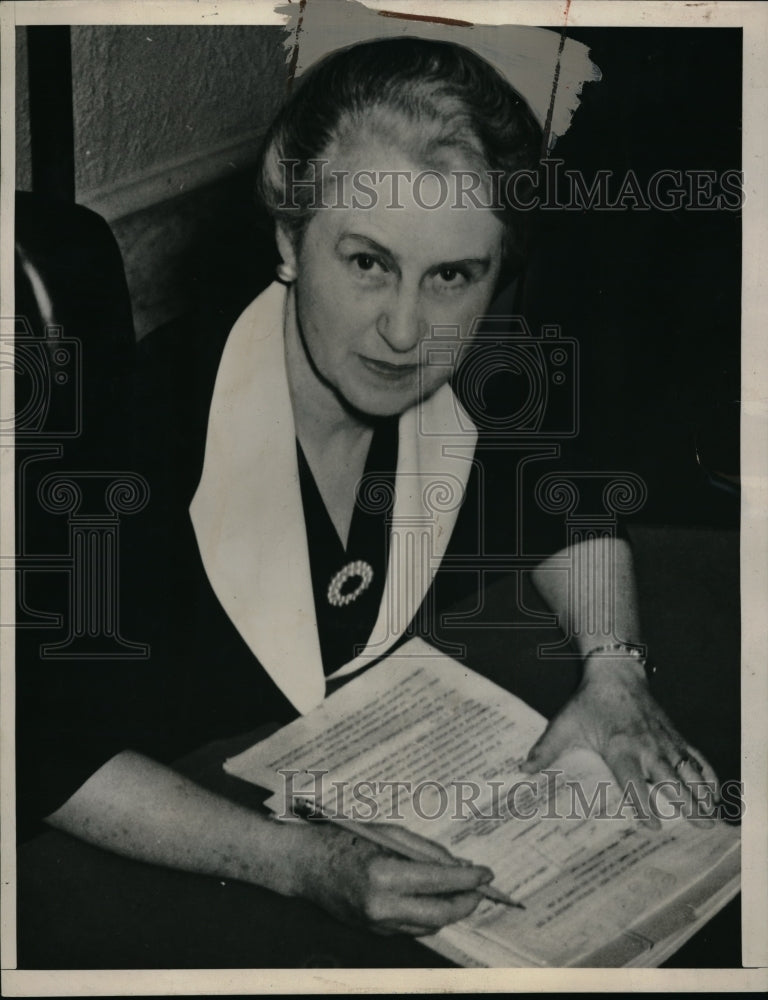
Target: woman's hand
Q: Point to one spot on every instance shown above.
(361, 883)
(613, 713)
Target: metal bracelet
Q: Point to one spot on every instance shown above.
(631, 649)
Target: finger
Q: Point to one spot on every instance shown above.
(702, 793)
(634, 788)
(697, 773)
(669, 786)
(426, 914)
(708, 773)
(413, 929)
(547, 748)
(426, 878)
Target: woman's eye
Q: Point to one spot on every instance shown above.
(450, 277)
(366, 262)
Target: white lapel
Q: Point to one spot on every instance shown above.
(249, 520)
(247, 511)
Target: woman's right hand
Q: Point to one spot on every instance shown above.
(361, 883)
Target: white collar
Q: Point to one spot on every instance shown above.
(249, 520)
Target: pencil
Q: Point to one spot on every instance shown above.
(375, 835)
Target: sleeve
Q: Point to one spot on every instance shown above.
(78, 703)
(84, 676)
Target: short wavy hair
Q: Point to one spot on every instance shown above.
(446, 96)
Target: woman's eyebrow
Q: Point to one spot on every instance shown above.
(481, 264)
(370, 243)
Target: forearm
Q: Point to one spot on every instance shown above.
(596, 597)
(147, 811)
(150, 813)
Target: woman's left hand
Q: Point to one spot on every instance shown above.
(613, 713)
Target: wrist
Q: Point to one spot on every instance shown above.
(277, 855)
(616, 667)
(315, 852)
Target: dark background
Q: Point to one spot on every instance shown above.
(653, 297)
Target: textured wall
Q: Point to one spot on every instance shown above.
(168, 120)
(147, 96)
(23, 160)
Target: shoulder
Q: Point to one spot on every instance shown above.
(171, 388)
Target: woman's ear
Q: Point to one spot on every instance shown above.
(288, 269)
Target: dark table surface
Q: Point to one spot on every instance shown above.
(83, 908)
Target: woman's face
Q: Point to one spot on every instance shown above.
(374, 282)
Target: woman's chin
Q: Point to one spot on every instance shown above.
(387, 400)
(377, 402)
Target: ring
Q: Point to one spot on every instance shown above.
(688, 760)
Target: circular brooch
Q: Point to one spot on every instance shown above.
(336, 593)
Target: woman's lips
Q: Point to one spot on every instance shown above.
(386, 369)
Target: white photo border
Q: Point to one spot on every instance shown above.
(752, 17)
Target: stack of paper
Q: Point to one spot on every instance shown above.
(422, 741)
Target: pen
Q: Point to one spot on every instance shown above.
(375, 835)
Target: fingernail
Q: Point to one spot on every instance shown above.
(488, 876)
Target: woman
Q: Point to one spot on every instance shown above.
(330, 377)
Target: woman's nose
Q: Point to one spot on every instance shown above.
(400, 323)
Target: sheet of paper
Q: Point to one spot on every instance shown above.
(418, 717)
